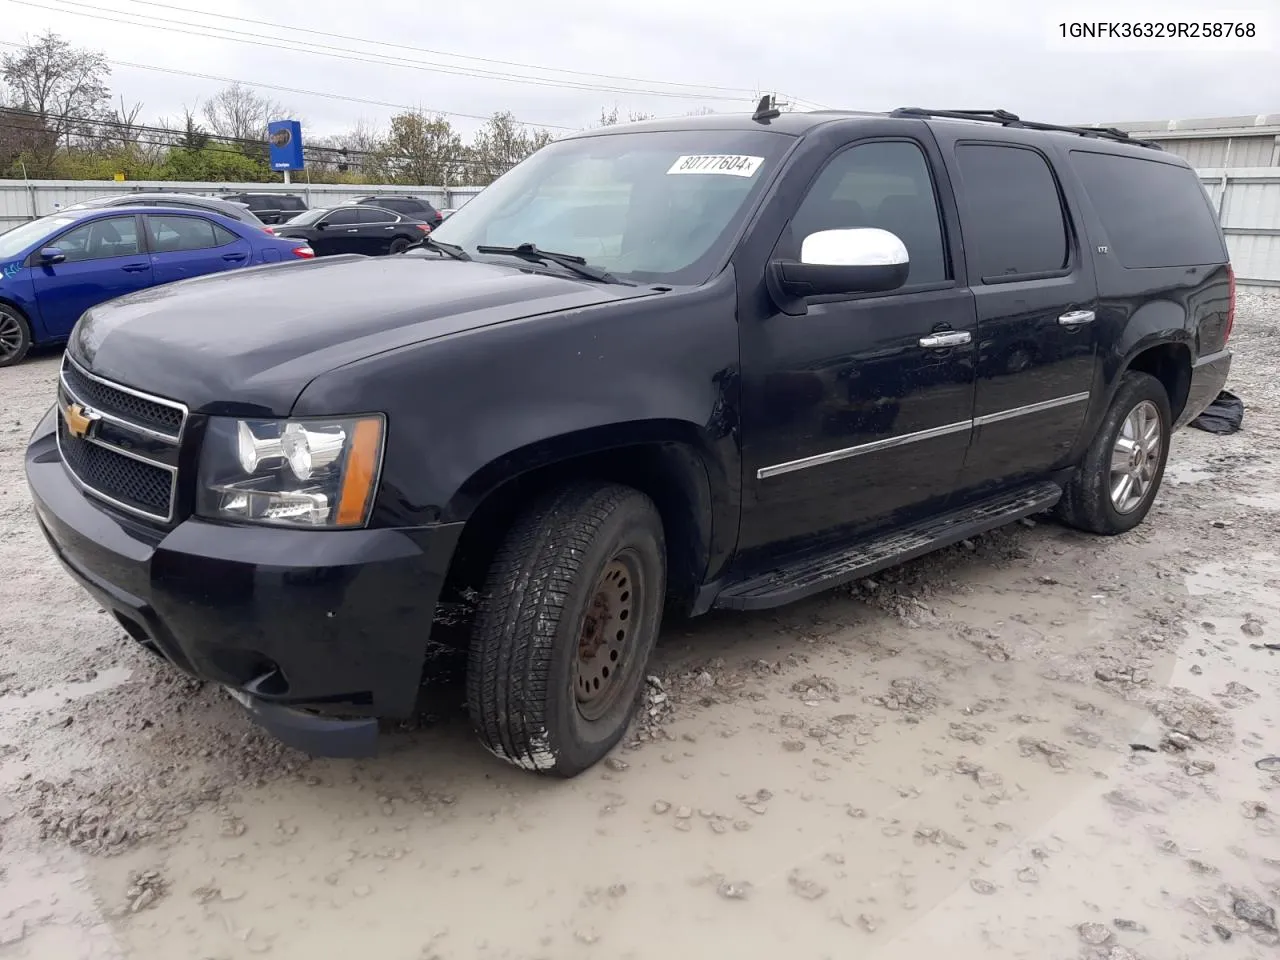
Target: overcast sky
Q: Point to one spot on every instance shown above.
(877, 55)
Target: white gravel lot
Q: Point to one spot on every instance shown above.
(1039, 744)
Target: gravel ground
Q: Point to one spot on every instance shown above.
(1037, 744)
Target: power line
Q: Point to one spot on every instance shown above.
(442, 53)
(340, 53)
(299, 91)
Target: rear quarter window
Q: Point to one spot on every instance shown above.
(1156, 214)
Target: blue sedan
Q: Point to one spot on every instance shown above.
(55, 268)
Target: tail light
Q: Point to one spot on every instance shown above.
(1231, 303)
(423, 227)
(303, 252)
(270, 230)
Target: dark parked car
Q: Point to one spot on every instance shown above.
(706, 362)
(410, 206)
(54, 268)
(187, 201)
(270, 207)
(372, 231)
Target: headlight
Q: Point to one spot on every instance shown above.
(301, 473)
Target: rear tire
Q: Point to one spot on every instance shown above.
(568, 618)
(1121, 472)
(15, 336)
(398, 245)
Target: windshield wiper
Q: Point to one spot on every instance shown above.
(448, 249)
(530, 251)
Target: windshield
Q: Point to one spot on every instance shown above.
(14, 242)
(651, 206)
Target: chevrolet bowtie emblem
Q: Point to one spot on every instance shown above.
(79, 419)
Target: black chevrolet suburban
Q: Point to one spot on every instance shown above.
(707, 362)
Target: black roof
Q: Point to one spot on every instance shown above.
(798, 123)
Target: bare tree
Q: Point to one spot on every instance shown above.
(611, 117)
(500, 144)
(238, 112)
(354, 151)
(64, 87)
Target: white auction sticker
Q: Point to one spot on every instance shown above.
(727, 164)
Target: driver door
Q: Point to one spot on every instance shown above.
(857, 414)
(104, 260)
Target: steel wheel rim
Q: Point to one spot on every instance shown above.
(605, 640)
(1135, 458)
(10, 336)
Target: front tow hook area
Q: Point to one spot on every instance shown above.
(311, 733)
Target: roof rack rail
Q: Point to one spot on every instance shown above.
(1007, 119)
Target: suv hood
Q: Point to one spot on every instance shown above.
(247, 342)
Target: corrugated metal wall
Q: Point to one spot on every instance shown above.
(1215, 152)
(1248, 203)
(20, 201)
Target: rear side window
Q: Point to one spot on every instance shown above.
(402, 206)
(1012, 216)
(173, 234)
(1155, 214)
(292, 203)
(261, 203)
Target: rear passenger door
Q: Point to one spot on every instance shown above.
(187, 245)
(1033, 283)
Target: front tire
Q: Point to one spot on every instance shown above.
(15, 336)
(1121, 472)
(568, 618)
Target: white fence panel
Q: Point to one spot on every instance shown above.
(1248, 204)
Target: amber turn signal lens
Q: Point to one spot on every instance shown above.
(361, 472)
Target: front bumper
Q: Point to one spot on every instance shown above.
(1208, 377)
(316, 633)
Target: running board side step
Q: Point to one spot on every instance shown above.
(822, 571)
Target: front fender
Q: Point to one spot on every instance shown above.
(469, 411)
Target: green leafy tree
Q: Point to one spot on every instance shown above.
(419, 149)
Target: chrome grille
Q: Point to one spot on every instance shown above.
(127, 455)
(151, 414)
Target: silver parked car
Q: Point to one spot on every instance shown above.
(189, 201)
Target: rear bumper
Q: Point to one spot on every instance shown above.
(1208, 377)
(316, 633)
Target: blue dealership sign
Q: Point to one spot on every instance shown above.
(284, 137)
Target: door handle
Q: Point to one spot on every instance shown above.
(233, 256)
(354, 230)
(135, 267)
(940, 341)
(1076, 318)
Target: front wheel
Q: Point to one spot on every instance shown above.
(568, 618)
(1117, 481)
(15, 336)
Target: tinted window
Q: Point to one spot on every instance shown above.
(1012, 217)
(1155, 214)
(261, 203)
(400, 205)
(377, 215)
(170, 234)
(885, 185)
(99, 239)
(343, 215)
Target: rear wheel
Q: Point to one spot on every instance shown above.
(568, 619)
(399, 245)
(1121, 472)
(15, 336)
